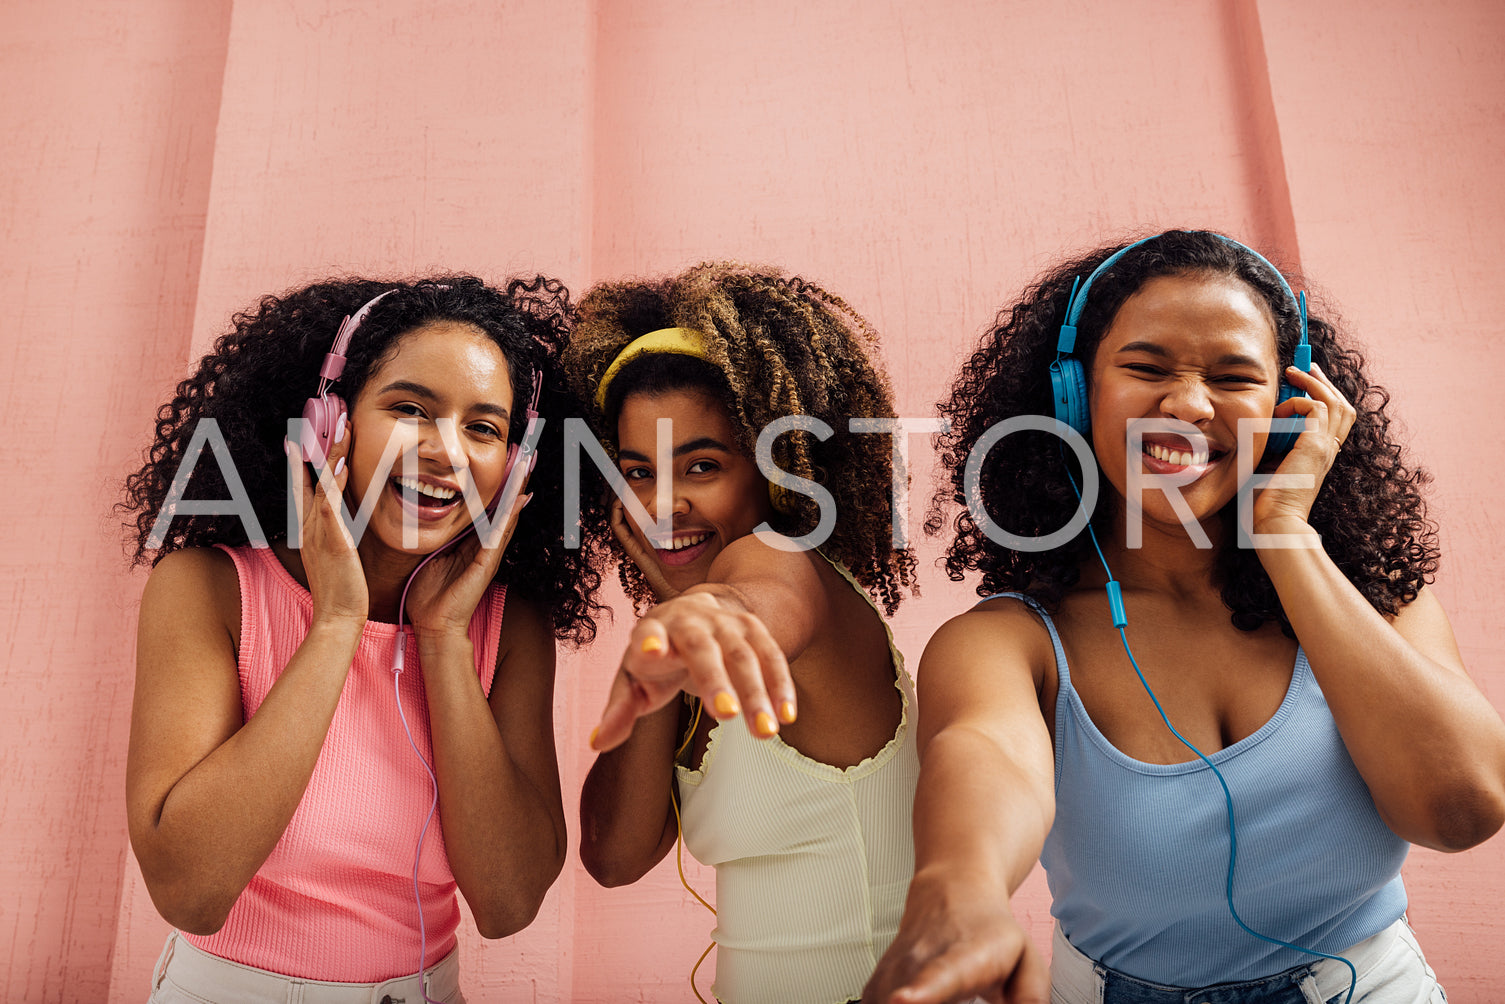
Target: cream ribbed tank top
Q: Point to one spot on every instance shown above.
(812, 861)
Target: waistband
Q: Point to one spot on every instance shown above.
(1070, 968)
(214, 978)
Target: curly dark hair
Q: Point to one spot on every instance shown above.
(260, 373)
(1369, 511)
(777, 345)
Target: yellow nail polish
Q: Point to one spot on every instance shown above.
(725, 705)
(764, 724)
(592, 739)
(786, 712)
(652, 643)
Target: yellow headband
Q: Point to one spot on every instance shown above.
(664, 341)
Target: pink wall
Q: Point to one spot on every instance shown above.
(1395, 191)
(165, 167)
(109, 119)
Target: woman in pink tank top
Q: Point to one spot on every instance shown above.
(340, 720)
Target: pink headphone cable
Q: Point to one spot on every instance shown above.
(511, 486)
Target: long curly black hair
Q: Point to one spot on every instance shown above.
(777, 345)
(1369, 511)
(259, 374)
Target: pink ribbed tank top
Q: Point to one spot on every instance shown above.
(334, 900)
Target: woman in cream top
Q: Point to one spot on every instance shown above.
(812, 861)
(802, 805)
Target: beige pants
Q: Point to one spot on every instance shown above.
(188, 975)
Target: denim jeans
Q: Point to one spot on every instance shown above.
(1390, 966)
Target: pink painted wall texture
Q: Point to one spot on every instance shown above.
(168, 161)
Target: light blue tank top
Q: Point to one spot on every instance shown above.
(1137, 858)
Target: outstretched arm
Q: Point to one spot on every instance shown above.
(983, 806)
(728, 641)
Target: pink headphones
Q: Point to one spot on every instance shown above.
(324, 415)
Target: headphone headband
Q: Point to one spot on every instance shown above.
(1076, 303)
(1069, 379)
(334, 359)
(324, 414)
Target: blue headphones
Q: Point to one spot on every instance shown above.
(1068, 380)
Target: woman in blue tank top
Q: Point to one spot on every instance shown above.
(1111, 441)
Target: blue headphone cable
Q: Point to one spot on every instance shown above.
(1121, 622)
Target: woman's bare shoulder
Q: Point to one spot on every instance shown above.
(998, 635)
(197, 583)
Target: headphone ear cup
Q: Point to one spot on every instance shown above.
(1282, 440)
(1068, 385)
(323, 418)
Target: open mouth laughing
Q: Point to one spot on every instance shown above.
(685, 547)
(1176, 455)
(424, 499)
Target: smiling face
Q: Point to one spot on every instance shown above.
(439, 402)
(1197, 348)
(718, 493)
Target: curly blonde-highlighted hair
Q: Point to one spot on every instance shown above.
(784, 346)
